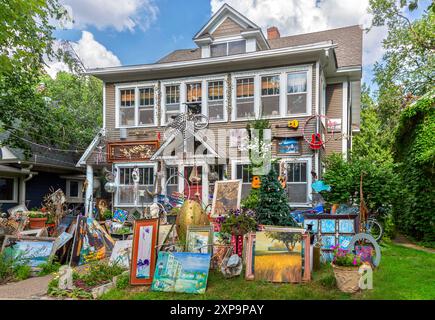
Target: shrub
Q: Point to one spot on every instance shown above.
(123, 281)
(7, 264)
(22, 272)
(49, 267)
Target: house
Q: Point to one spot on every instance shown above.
(26, 179)
(235, 74)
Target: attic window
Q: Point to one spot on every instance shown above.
(228, 48)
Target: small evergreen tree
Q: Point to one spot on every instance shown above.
(273, 208)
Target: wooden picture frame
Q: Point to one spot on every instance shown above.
(131, 151)
(227, 196)
(190, 246)
(145, 233)
(249, 256)
(8, 239)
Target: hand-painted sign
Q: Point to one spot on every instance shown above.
(131, 151)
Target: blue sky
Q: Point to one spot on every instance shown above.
(106, 33)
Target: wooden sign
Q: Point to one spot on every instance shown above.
(131, 151)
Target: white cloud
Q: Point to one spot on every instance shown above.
(119, 14)
(302, 16)
(92, 54)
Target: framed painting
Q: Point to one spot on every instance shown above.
(199, 239)
(327, 226)
(226, 196)
(91, 241)
(250, 256)
(143, 258)
(286, 146)
(181, 272)
(281, 254)
(32, 251)
(121, 254)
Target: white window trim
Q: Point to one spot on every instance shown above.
(68, 190)
(282, 90)
(131, 165)
(228, 40)
(182, 82)
(14, 191)
(136, 86)
(309, 178)
(273, 95)
(234, 163)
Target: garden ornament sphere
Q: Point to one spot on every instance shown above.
(190, 214)
(110, 187)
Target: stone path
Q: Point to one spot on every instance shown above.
(32, 288)
(403, 241)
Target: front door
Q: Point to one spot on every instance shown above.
(193, 174)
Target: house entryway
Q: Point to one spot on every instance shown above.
(194, 176)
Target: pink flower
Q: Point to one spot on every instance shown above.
(354, 261)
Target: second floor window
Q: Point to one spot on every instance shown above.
(297, 93)
(245, 98)
(127, 107)
(228, 48)
(146, 106)
(270, 96)
(194, 96)
(172, 102)
(215, 100)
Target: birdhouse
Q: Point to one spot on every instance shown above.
(256, 182)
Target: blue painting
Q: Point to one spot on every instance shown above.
(328, 242)
(120, 215)
(181, 272)
(344, 241)
(327, 225)
(32, 253)
(346, 226)
(288, 146)
(314, 222)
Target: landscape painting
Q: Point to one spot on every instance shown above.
(199, 239)
(181, 272)
(30, 251)
(278, 255)
(226, 196)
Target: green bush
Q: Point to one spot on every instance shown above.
(7, 265)
(123, 281)
(49, 268)
(99, 273)
(22, 272)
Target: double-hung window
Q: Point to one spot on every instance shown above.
(146, 106)
(243, 173)
(194, 97)
(297, 92)
(215, 100)
(297, 181)
(127, 107)
(171, 180)
(245, 98)
(8, 190)
(228, 48)
(126, 193)
(270, 96)
(172, 101)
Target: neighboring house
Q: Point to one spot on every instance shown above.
(235, 74)
(26, 180)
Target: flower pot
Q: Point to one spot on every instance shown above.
(347, 278)
(37, 223)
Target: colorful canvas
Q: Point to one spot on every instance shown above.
(143, 261)
(226, 196)
(181, 272)
(344, 241)
(120, 215)
(91, 241)
(278, 255)
(346, 226)
(199, 239)
(288, 146)
(328, 242)
(30, 250)
(121, 254)
(62, 239)
(327, 225)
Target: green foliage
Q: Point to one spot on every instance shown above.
(252, 200)
(238, 222)
(123, 281)
(22, 272)
(37, 214)
(107, 215)
(49, 268)
(273, 208)
(7, 266)
(99, 272)
(344, 258)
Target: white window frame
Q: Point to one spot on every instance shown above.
(182, 82)
(118, 166)
(134, 86)
(309, 179)
(14, 191)
(68, 190)
(308, 93)
(224, 100)
(227, 41)
(270, 95)
(234, 163)
(282, 71)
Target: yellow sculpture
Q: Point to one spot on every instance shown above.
(190, 214)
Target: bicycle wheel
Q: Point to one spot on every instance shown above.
(200, 121)
(375, 229)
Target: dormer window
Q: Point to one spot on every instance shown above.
(228, 48)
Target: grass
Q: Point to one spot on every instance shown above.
(403, 274)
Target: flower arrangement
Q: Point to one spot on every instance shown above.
(237, 222)
(35, 213)
(345, 258)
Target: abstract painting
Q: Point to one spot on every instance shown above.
(344, 241)
(199, 239)
(181, 272)
(327, 225)
(121, 254)
(288, 146)
(144, 251)
(346, 226)
(31, 251)
(226, 196)
(278, 254)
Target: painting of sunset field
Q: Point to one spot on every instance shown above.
(278, 257)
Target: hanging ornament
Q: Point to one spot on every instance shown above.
(256, 182)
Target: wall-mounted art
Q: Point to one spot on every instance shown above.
(181, 272)
(131, 151)
(144, 251)
(286, 146)
(226, 196)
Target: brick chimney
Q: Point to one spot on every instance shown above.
(273, 33)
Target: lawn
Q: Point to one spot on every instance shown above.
(403, 274)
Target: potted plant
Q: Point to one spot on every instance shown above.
(37, 219)
(345, 265)
(107, 215)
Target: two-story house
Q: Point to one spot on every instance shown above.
(235, 74)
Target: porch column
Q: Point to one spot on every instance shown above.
(89, 189)
(22, 191)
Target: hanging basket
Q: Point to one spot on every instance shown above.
(347, 278)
